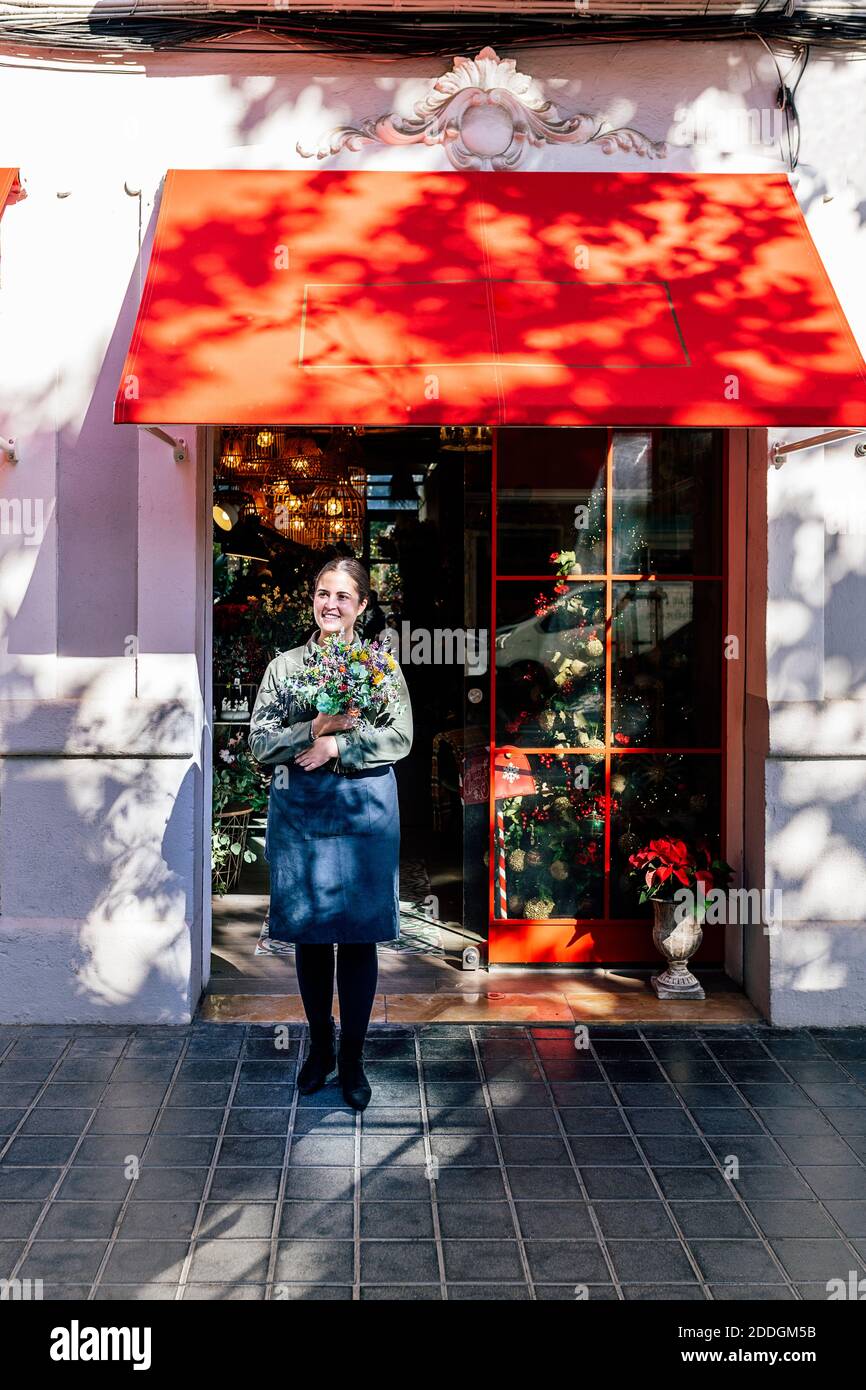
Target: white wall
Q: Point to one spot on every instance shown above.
(101, 903)
(816, 768)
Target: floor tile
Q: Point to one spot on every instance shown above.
(315, 1261)
(410, 1220)
(713, 1220)
(64, 1261)
(79, 1220)
(786, 1218)
(841, 1182)
(230, 1261)
(150, 1261)
(809, 1260)
(651, 1261)
(636, 1219)
(735, 1261)
(558, 1261)
(633, 1184)
(850, 1215)
(753, 1293)
(552, 1220)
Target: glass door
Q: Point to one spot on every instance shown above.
(608, 606)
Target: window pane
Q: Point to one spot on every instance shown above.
(673, 795)
(554, 839)
(667, 664)
(667, 502)
(550, 664)
(550, 498)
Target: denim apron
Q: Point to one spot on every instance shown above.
(333, 846)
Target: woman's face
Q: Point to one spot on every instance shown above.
(336, 602)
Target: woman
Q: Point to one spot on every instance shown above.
(333, 839)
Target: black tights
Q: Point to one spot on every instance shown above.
(357, 973)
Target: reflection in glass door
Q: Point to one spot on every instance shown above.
(608, 699)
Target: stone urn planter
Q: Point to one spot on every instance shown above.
(677, 941)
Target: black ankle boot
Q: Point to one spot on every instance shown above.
(353, 1081)
(321, 1060)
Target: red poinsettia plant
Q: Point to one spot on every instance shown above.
(664, 866)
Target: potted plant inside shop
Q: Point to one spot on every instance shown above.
(676, 878)
(239, 791)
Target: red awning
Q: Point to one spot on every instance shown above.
(11, 190)
(320, 298)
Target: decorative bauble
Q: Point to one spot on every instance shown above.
(558, 870)
(517, 860)
(538, 909)
(534, 858)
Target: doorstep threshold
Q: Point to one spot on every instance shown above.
(626, 1000)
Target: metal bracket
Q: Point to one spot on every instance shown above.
(178, 446)
(780, 452)
(7, 447)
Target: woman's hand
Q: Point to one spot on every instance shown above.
(319, 752)
(333, 724)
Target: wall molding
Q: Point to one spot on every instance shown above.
(485, 115)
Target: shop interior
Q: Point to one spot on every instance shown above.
(414, 507)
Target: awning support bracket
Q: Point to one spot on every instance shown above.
(178, 446)
(7, 447)
(780, 452)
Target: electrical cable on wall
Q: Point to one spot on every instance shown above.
(785, 101)
(418, 32)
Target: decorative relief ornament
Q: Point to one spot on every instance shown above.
(484, 114)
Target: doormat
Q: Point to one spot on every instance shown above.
(420, 932)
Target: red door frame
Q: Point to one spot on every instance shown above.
(610, 940)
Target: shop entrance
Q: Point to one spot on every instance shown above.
(557, 596)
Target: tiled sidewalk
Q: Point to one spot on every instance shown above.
(493, 1162)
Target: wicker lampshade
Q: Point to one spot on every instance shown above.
(347, 460)
(288, 510)
(269, 452)
(232, 452)
(337, 512)
(292, 524)
(304, 462)
(470, 438)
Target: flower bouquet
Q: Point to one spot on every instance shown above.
(339, 678)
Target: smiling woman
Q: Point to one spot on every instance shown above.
(333, 836)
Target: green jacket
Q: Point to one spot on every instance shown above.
(358, 747)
